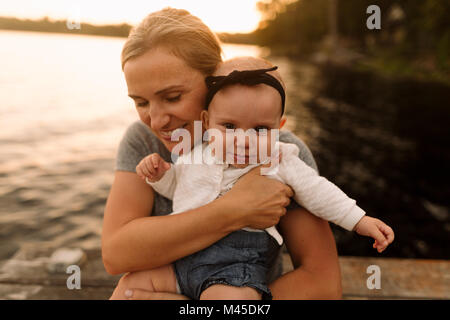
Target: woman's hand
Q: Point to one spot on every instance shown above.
(155, 284)
(255, 201)
(142, 294)
(258, 201)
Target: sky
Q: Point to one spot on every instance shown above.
(219, 15)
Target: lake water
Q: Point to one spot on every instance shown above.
(64, 108)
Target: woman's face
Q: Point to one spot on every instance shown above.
(168, 94)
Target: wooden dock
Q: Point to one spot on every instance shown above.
(26, 276)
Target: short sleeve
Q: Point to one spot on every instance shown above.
(138, 142)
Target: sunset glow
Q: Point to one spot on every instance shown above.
(220, 16)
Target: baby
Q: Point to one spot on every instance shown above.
(252, 98)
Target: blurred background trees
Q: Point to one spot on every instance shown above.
(414, 34)
(410, 29)
(60, 26)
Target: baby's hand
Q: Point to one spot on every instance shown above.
(376, 229)
(152, 167)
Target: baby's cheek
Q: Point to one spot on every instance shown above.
(264, 148)
(228, 143)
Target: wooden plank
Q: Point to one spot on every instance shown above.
(25, 276)
(50, 292)
(29, 266)
(400, 278)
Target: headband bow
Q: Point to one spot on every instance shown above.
(246, 77)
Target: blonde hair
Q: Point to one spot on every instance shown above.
(185, 35)
(247, 63)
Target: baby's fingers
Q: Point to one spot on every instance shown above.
(163, 165)
(380, 240)
(152, 167)
(162, 168)
(139, 172)
(142, 169)
(155, 161)
(388, 232)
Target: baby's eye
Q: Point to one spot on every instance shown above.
(261, 130)
(229, 126)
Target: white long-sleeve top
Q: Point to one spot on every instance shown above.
(191, 185)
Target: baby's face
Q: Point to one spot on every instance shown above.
(244, 107)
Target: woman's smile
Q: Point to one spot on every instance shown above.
(167, 134)
(156, 77)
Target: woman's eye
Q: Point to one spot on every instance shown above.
(142, 104)
(174, 98)
(228, 126)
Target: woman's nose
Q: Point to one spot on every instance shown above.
(158, 118)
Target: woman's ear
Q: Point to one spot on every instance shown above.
(205, 119)
(282, 121)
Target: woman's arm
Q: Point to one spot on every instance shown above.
(132, 240)
(312, 248)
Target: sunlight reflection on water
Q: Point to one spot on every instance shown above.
(63, 110)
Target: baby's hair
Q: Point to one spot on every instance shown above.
(247, 63)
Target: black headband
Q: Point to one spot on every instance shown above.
(246, 77)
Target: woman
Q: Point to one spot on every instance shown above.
(165, 61)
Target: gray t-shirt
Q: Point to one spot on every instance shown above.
(139, 141)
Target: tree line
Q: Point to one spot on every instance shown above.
(60, 26)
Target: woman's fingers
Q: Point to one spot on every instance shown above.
(289, 191)
(287, 202)
(264, 199)
(138, 294)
